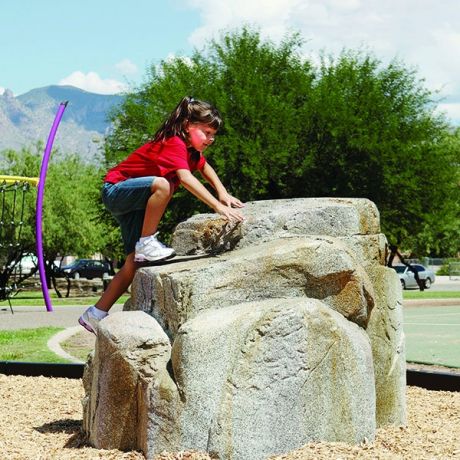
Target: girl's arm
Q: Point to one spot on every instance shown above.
(224, 197)
(193, 185)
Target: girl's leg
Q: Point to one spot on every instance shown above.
(148, 248)
(119, 284)
(161, 192)
(156, 205)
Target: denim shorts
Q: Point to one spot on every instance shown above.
(127, 201)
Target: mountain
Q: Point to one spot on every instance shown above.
(27, 118)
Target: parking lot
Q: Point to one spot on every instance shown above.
(445, 283)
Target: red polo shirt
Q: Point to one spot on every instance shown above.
(160, 159)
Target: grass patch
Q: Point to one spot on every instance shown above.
(33, 298)
(79, 345)
(29, 345)
(431, 294)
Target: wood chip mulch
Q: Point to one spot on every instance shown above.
(42, 420)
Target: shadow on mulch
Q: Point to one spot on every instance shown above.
(69, 426)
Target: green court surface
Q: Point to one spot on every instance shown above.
(433, 335)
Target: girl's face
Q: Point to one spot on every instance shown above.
(200, 136)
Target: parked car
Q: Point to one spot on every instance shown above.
(407, 277)
(25, 266)
(86, 268)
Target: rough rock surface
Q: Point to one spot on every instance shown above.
(321, 268)
(354, 220)
(385, 330)
(289, 319)
(297, 371)
(131, 350)
(292, 368)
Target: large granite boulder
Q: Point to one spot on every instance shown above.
(355, 221)
(131, 350)
(321, 268)
(385, 330)
(284, 372)
(282, 330)
(245, 381)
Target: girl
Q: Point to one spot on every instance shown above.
(137, 191)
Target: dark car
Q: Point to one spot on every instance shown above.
(407, 277)
(86, 268)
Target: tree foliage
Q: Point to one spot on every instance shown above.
(374, 134)
(349, 126)
(70, 216)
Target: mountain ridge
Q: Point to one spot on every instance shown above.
(26, 119)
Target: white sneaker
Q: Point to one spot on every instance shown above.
(90, 320)
(149, 249)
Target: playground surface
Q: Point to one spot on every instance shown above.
(50, 427)
(33, 317)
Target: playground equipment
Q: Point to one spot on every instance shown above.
(39, 207)
(13, 191)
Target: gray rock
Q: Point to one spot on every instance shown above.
(385, 330)
(368, 249)
(353, 221)
(320, 267)
(131, 351)
(250, 380)
(265, 377)
(284, 329)
(268, 220)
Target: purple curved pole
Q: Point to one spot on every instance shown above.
(39, 206)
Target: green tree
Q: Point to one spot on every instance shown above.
(260, 90)
(440, 229)
(25, 164)
(70, 214)
(373, 133)
(350, 126)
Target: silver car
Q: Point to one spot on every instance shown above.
(407, 277)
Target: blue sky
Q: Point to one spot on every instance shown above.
(43, 42)
(105, 46)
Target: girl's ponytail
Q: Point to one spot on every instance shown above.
(189, 110)
(174, 124)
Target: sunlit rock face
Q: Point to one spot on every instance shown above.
(258, 338)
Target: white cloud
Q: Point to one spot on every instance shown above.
(326, 22)
(170, 58)
(93, 83)
(2, 90)
(173, 57)
(346, 4)
(422, 33)
(126, 67)
(221, 14)
(452, 110)
(443, 67)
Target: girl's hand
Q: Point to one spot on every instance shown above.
(231, 201)
(228, 212)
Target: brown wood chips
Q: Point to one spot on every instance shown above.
(42, 420)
